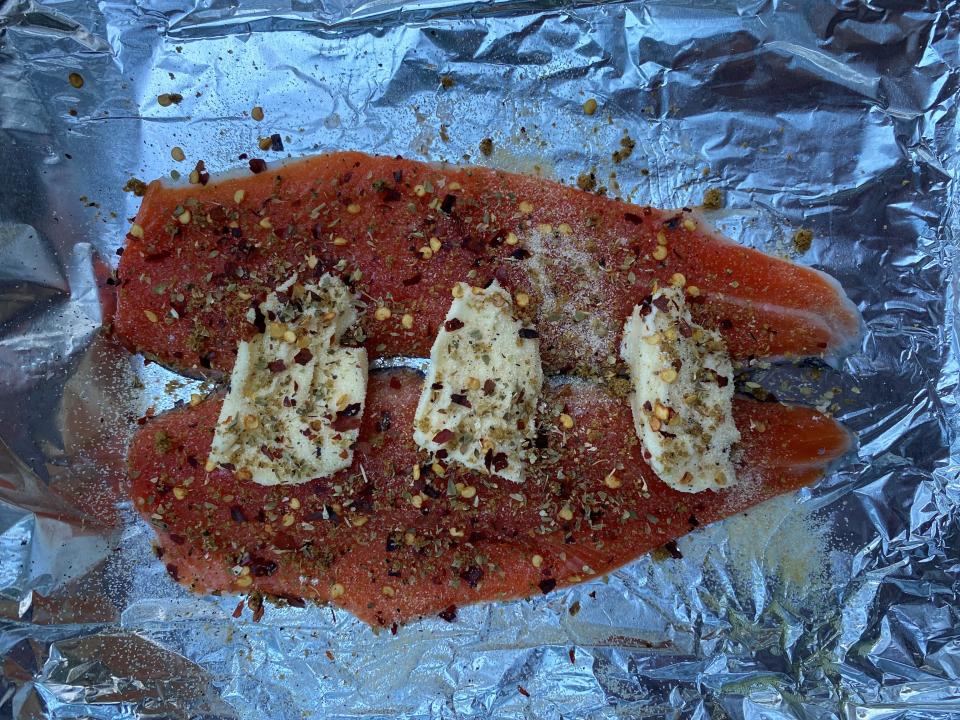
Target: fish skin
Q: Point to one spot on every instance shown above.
(762, 305)
(794, 448)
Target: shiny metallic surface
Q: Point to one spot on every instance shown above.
(838, 118)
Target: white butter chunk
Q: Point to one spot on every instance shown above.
(682, 394)
(296, 396)
(480, 396)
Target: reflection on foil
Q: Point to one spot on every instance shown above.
(838, 120)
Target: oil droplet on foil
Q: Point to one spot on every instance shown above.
(782, 543)
(784, 537)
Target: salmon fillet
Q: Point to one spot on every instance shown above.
(389, 543)
(200, 259)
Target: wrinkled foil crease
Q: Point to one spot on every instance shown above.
(841, 602)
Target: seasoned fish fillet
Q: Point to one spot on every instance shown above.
(201, 258)
(390, 539)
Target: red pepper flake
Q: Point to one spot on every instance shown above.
(500, 461)
(276, 366)
(202, 175)
(632, 218)
(303, 357)
(475, 245)
(573, 656)
(449, 613)
(342, 424)
(260, 567)
(523, 691)
(392, 195)
(350, 410)
(472, 575)
(460, 400)
(395, 383)
(662, 303)
(547, 585)
(271, 453)
(257, 165)
(238, 611)
(444, 436)
(412, 280)
(453, 325)
(671, 547)
(488, 387)
(446, 207)
(237, 514)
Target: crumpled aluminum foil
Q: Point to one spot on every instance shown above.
(840, 118)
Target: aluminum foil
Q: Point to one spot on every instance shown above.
(837, 118)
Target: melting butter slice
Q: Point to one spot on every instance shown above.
(481, 391)
(682, 394)
(296, 396)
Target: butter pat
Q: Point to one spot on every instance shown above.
(480, 395)
(682, 394)
(296, 396)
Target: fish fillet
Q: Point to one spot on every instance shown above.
(200, 259)
(390, 544)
